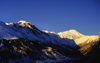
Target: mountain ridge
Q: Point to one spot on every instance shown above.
(24, 42)
(70, 34)
(28, 31)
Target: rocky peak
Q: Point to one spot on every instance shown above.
(22, 22)
(25, 24)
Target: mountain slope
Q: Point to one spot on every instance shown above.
(90, 50)
(58, 38)
(90, 45)
(28, 44)
(27, 51)
(85, 40)
(28, 31)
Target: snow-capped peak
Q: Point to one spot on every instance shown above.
(71, 34)
(72, 30)
(25, 24)
(22, 22)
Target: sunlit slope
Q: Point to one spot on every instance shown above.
(90, 44)
(85, 40)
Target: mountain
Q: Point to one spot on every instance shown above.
(90, 48)
(28, 31)
(23, 42)
(89, 45)
(70, 34)
(54, 35)
(78, 38)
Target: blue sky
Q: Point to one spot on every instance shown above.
(54, 15)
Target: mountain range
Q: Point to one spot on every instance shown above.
(23, 42)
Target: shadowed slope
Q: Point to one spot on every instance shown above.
(21, 50)
(91, 52)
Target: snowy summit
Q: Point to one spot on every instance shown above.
(71, 34)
